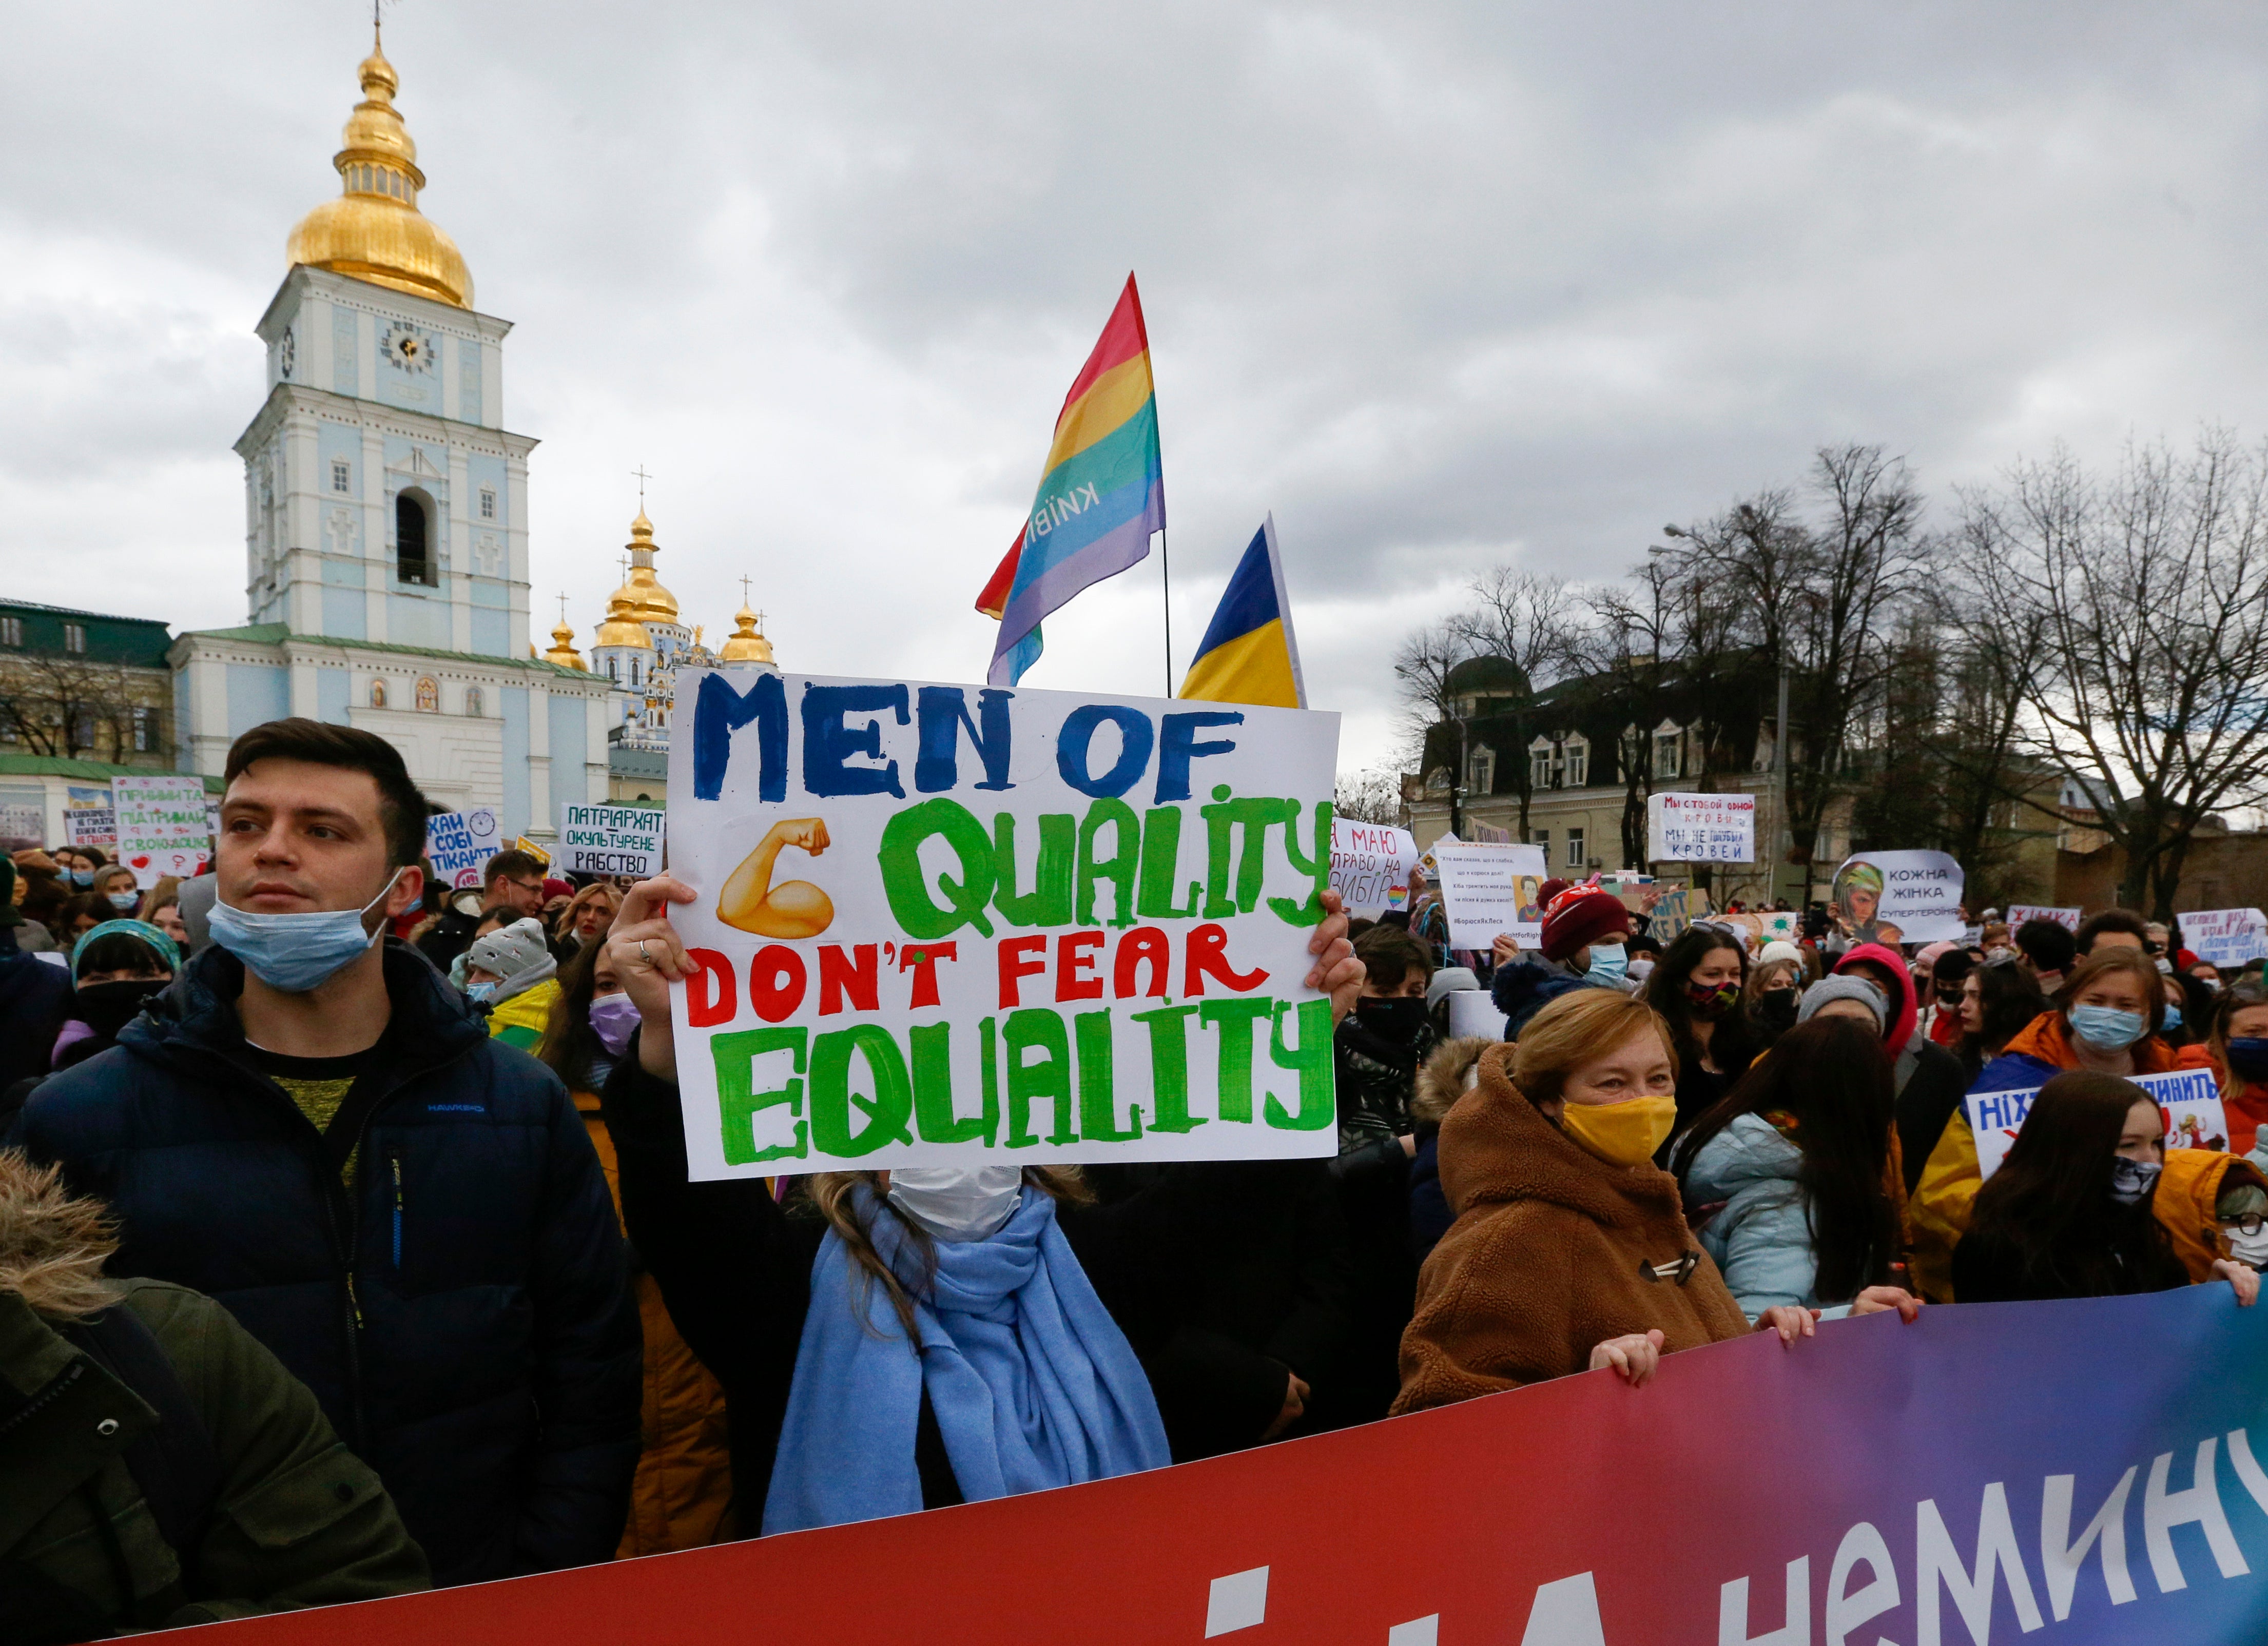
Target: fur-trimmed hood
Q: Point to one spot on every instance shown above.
(1442, 1077)
(53, 1244)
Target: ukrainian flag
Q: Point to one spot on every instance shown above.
(1248, 655)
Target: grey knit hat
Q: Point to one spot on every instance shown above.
(515, 950)
(1843, 988)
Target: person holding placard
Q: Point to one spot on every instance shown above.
(866, 1338)
(2069, 1214)
(2105, 1021)
(1584, 930)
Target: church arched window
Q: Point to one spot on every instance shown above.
(615, 670)
(633, 672)
(413, 535)
(429, 695)
(474, 707)
(377, 693)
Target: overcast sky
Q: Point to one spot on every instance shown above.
(1442, 285)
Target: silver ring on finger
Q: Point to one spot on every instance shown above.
(643, 956)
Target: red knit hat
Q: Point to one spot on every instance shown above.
(1582, 915)
(1549, 890)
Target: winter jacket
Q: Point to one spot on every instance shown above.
(448, 937)
(463, 1313)
(1947, 1188)
(2246, 1110)
(294, 1518)
(35, 998)
(1525, 987)
(2187, 1201)
(1554, 1252)
(681, 1496)
(1760, 1236)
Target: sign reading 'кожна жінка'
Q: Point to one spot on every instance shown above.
(943, 923)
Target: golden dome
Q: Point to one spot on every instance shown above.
(621, 626)
(747, 643)
(374, 231)
(562, 651)
(643, 600)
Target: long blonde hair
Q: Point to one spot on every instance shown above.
(53, 1244)
(831, 1192)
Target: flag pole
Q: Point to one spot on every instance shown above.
(1166, 564)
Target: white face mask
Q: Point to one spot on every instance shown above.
(958, 1202)
(2249, 1248)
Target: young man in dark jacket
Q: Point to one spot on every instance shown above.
(311, 1127)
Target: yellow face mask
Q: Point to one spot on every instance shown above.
(1621, 1134)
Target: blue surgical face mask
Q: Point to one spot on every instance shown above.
(480, 994)
(2170, 1018)
(2108, 1029)
(294, 953)
(123, 901)
(1610, 962)
(82, 876)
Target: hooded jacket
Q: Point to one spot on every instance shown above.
(2187, 1201)
(463, 1312)
(2035, 1055)
(1760, 1236)
(1553, 1253)
(1528, 985)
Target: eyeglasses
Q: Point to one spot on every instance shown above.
(2251, 1224)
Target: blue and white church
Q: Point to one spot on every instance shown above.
(385, 518)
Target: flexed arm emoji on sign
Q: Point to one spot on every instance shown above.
(795, 908)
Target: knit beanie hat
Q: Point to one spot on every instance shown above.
(511, 949)
(1446, 979)
(1780, 949)
(1843, 986)
(1580, 916)
(1549, 890)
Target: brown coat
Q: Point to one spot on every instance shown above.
(1553, 1253)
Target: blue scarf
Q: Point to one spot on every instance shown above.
(1032, 1383)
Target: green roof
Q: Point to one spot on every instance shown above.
(277, 633)
(103, 636)
(91, 771)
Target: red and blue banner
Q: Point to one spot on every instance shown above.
(2083, 1473)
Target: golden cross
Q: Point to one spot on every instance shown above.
(641, 478)
(743, 590)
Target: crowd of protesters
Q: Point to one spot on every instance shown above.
(358, 1208)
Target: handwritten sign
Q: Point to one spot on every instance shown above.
(610, 840)
(2018, 913)
(458, 844)
(938, 924)
(1371, 865)
(89, 818)
(2189, 1098)
(1701, 828)
(2225, 936)
(164, 826)
(1490, 889)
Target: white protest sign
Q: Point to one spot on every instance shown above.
(2018, 913)
(23, 816)
(609, 840)
(1701, 828)
(1371, 865)
(2188, 1098)
(162, 826)
(1898, 897)
(458, 844)
(2225, 936)
(1489, 889)
(89, 818)
(1473, 1011)
(1780, 926)
(938, 924)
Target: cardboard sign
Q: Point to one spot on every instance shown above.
(610, 840)
(944, 924)
(1780, 926)
(2018, 913)
(520, 842)
(23, 816)
(1701, 828)
(2188, 1098)
(1491, 889)
(1895, 896)
(164, 826)
(2225, 936)
(458, 844)
(89, 818)
(1371, 865)
(1673, 912)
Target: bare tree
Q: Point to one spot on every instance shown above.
(1624, 651)
(1422, 665)
(2149, 590)
(64, 706)
(1371, 796)
(1530, 621)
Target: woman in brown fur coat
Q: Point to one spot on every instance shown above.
(1570, 1251)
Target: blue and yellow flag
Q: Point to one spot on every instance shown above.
(1248, 655)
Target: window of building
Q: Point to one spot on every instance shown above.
(1539, 763)
(1480, 776)
(11, 631)
(615, 670)
(633, 672)
(429, 695)
(1578, 763)
(473, 704)
(377, 693)
(487, 503)
(342, 474)
(1542, 837)
(1574, 849)
(83, 730)
(75, 637)
(1666, 763)
(412, 539)
(145, 730)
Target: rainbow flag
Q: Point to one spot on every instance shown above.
(1248, 654)
(1102, 493)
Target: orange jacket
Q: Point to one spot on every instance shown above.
(2187, 1202)
(681, 1497)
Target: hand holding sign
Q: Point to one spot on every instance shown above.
(648, 956)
